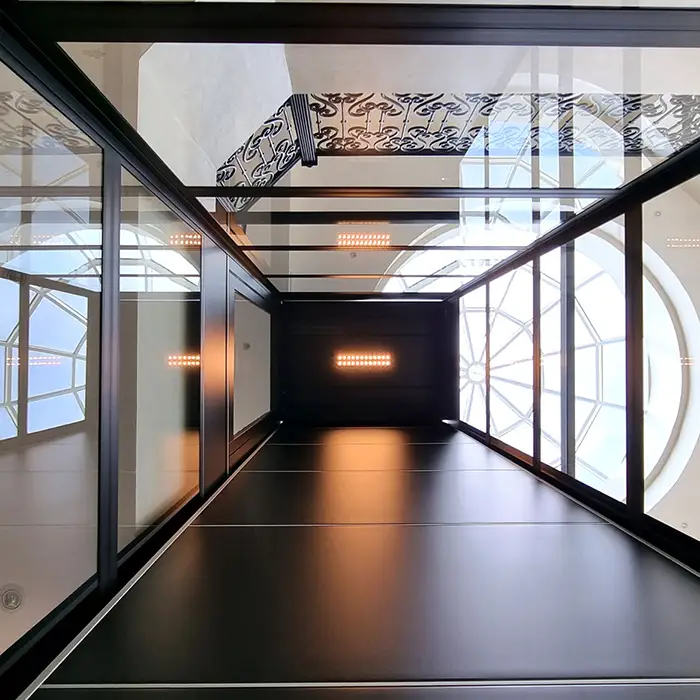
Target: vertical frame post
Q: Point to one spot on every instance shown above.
(23, 358)
(634, 377)
(487, 362)
(108, 481)
(536, 367)
(568, 360)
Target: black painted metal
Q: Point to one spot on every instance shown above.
(536, 366)
(363, 296)
(360, 276)
(487, 361)
(316, 218)
(632, 691)
(674, 171)
(394, 192)
(48, 70)
(634, 330)
(413, 391)
(108, 480)
(378, 249)
(568, 357)
(23, 353)
(348, 23)
(301, 114)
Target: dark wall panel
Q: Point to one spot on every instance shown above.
(214, 428)
(415, 391)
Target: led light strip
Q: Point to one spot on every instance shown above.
(193, 239)
(367, 360)
(683, 242)
(364, 240)
(183, 361)
(35, 361)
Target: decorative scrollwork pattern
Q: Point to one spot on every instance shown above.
(263, 159)
(446, 123)
(29, 124)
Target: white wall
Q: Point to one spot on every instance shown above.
(195, 104)
(251, 379)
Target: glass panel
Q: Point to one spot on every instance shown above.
(252, 363)
(600, 339)
(671, 352)
(472, 358)
(511, 357)
(551, 362)
(159, 361)
(50, 228)
(415, 101)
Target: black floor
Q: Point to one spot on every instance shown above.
(379, 557)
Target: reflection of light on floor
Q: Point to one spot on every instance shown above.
(358, 581)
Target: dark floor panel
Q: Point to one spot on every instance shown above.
(380, 456)
(294, 434)
(390, 603)
(675, 692)
(326, 498)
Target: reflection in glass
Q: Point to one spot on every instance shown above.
(600, 341)
(511, 357)
(472, 358)
(50, 288)
(159, 400)
(672, 348)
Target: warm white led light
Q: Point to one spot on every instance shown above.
(368, 361)
(364, 240)
(186, 239)
(183, 360)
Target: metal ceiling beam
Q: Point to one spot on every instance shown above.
(351, 249)
(333, 218)
(363, 296)
(360, 276)
(400, 192)
(365, 23)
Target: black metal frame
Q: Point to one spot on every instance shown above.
(47, 69)
(349, 23)
(628, 201)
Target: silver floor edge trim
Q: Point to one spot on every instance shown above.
(37, 683)
(467, 524)
(565, 683)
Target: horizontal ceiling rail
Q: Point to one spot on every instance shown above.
(333, 218)
(674, 171)
(361, 276)
(359, 23)
(364, 296)
(400, 192)
(370, 249)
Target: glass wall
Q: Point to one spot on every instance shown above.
(159, 304)
(583, 345)
(599, 360)
(50, 295)
(472, 358)
(671, 291)
(511, 359)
